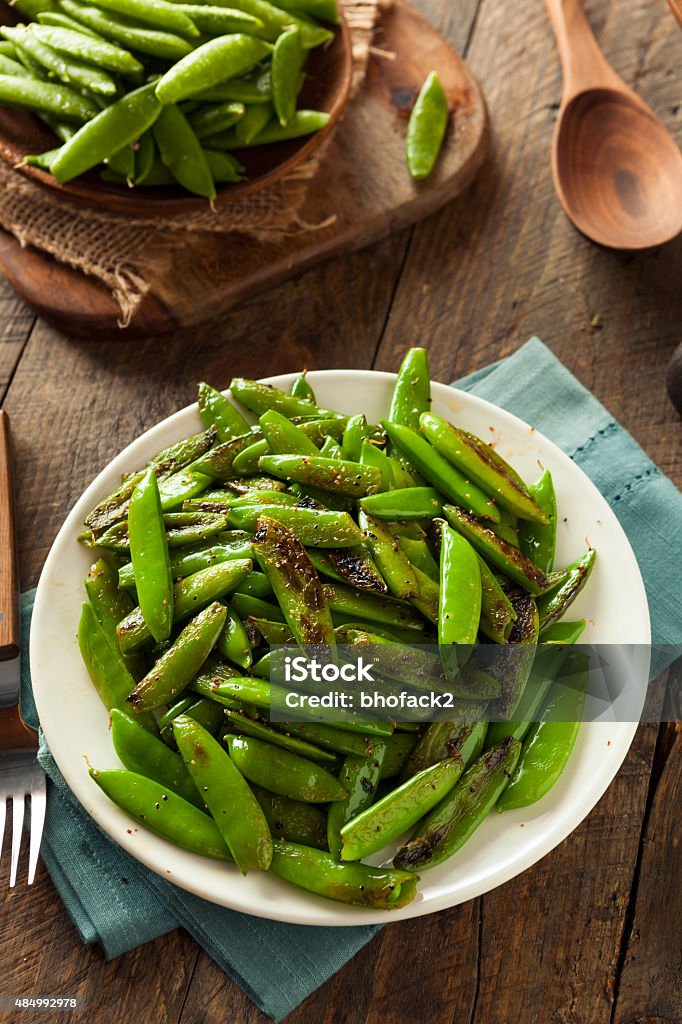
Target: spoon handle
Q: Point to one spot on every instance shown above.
(583, 63)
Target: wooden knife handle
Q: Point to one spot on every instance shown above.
(9, 574)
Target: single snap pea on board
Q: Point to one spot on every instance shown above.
(549, 742)
(295, 582)
(459, 814)
(70, 70)
(283, 772)
(412, 391)
(293, 821)
(439, 472)
(336, 475)
(141, 752)
(181, 152)
(218, 411)
(46, 97)
(426, 128)
(406, 503)
(357, 884)
(162, 811)
(287, 61)
(393, 565)
(153, 42)
(86, 47)
(459, 609)
(399, 810)
(538, 540)
(157, 13)
(183, 659)
(116, 126)
(553, 604)
(212, 63)
(149, 557)
(478, 462)
(227, 794)
(360, 775)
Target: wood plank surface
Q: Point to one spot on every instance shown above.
(588, 935)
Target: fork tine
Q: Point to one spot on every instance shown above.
(17, 826)
(38, 804)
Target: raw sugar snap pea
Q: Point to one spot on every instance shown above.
(440, 473)
(241, 90)
(143, 753)
(283, 772)
(208, 65)
(291, 820)
(48, 97)
(162, 811)
(156, 13)
(150, 559)
(219, 20)
(287, 61)
(360, 776)
(227, 794)
(11, 67)
(218, 411)
(181, 152)
(538, 540)
(304, 122)
(357, 884)
(215, 118)
(326, 10)
(145, 157)
(183, 659)
(60, 20)
(153, 42)
(412, 391)
(399, 810)
(338, 476)
(426, 128)
(69, 70)
(116, 126)
(87, 48)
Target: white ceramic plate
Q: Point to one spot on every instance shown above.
(76, 724)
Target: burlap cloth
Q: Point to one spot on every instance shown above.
(110, 247)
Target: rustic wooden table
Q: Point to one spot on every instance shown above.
(591, 935)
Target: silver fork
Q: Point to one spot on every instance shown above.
(20, 773)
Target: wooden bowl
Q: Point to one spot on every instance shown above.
(328, 78)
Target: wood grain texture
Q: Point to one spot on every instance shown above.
(584, 937)
(9, 578)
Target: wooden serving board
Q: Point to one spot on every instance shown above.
(363, 183)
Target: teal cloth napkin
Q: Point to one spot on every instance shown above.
(117, 902)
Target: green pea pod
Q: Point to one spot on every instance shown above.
(247, 461)
(59, 20)
(338, 476)
(514, 661)
(372, 455)
(116, 126)
(538, 540)
(233, 642)
(184, 453)
(217, 410)
(554, 604)
(186, 563)
(332, 450)
(276, 21)
(256, 584)
(304, 122)
(563, 632)
(357, 884)
(143, 753)
(357, 429)
(213, 62)
(151, 41)
(283, 436)
(145, 156)
(46, 97)
(358, 604)
(292, 820)
(301, 388)
(548, 745)
(228, 796)
(398, 750)
(206, 712)
(546, 665)
(287, 62)
(455, 819)
(325, 529)
(426, 128)
(399, 810)
(353, 566)
(427, 598)
(360, 776)
(297, 587)
(394, 566)
(459, 609)
(219, 463)
(412, 391)
(283, 772)
(507, 528)
(110, 605)
(156, 13)
(183, 659)
(215, 118)
(216, 20)
(417, 552)
(247, 606)
(407, 503)
(497, 611)
(69, 70)
(11, 67)
(444, 739)
(183, 529)
(85, 47)
(181, 152)
(439, 472)
(504, 556)
(162, 811)
(261, 731)
(150, 559)
(190, 595)
(325, 10)
(238, 89)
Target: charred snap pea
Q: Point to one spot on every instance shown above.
(260, 397)
(426, 128)
(497, 611)
(358, 884)
(283, 772)
(459, 610)
(292, 820)
(217, 410)
(417, 552)
(302, 388)
(150, 559)
(372, 455)
(412, 391)
(356, 431)
(472, 457)
(338, 476)
(162, 811)
(110, 606)
(233, 806)
(563, 632)
(441, 740)
(546, 665)
(394, 566)
(324, 529)
(399, 810)
(353, 566)
(360, 776)
(183, 659)
(233, 642)
(284, 437)
(359, 604)
(514, 662)
(538, 540)
(143, 753)
(439, 472)
(553, 604)
(459, 814)
(186, 563)
(407, 503)
(260, 731)
(208, 65)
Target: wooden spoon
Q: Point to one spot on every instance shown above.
(617, 171)
(676, 6)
